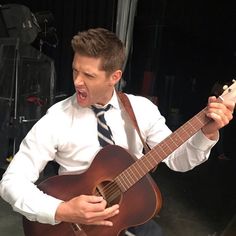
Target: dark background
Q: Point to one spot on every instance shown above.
(187, 40)
(186, 45)
(70, 17)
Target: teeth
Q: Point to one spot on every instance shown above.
(82, 94)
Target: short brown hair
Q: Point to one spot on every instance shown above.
(101, 43)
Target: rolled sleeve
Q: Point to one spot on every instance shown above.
(192, 153)
(201, 142)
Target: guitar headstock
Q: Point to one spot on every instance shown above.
(229, 92)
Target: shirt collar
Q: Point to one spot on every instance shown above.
(114, 100)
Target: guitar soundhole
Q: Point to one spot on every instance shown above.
(110, 191)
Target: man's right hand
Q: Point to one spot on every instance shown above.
(84, 209)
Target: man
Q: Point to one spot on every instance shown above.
(67, 134)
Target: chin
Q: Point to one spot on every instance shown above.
(83, 103)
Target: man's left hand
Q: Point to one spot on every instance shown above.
(221, 113)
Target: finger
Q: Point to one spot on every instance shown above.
(229, 104)
(89, 203)
(101, 215)
(108, 212)
(111, 211)
(212, 99)
(225, 108)
(97, 207)
(106, 222)
(101, 220)
(92, 198)
(219, 118)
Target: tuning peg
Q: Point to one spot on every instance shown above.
(225, 87)
(233, 80)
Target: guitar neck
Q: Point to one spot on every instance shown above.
(142, 166)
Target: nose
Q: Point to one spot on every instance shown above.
(78, 80)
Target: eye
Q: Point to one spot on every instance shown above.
(90, 76)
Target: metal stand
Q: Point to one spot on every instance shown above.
(25, 73)
(9, 51)
(27, 91)
(15, 115)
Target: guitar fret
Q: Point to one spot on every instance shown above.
(140, 172)
(156, 157)
(169, 147)
(195, 122)
(174, 141)
(179, 136)
(193, 126)
(162, 148)
(185, 131)
(135, 171)
(119, 181)
(144, 166)
(124, 182)
(128, 177)
(139, 168)
(132, 175)
(150, 162)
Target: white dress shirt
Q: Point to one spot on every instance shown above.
(67, 134)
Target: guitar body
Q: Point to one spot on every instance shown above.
(137, 205)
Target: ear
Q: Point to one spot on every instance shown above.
(116, 76)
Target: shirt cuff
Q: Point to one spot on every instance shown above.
(200, 141)
(48, 211)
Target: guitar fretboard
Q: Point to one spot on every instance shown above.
(142, 166)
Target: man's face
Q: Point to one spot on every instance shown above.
(92, 84)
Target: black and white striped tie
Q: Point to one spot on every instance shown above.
(104, 132)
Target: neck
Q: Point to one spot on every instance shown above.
(106, 99)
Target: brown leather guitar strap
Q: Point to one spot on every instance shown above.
(126, 103)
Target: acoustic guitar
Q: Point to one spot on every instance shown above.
(119, 178)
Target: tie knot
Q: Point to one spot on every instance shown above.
(100, 110)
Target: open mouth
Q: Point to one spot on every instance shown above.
(81, 94)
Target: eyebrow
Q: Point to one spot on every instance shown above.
(90, 73)
(85, 72)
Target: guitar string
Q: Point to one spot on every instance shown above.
(111, 192)
(110, 189)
